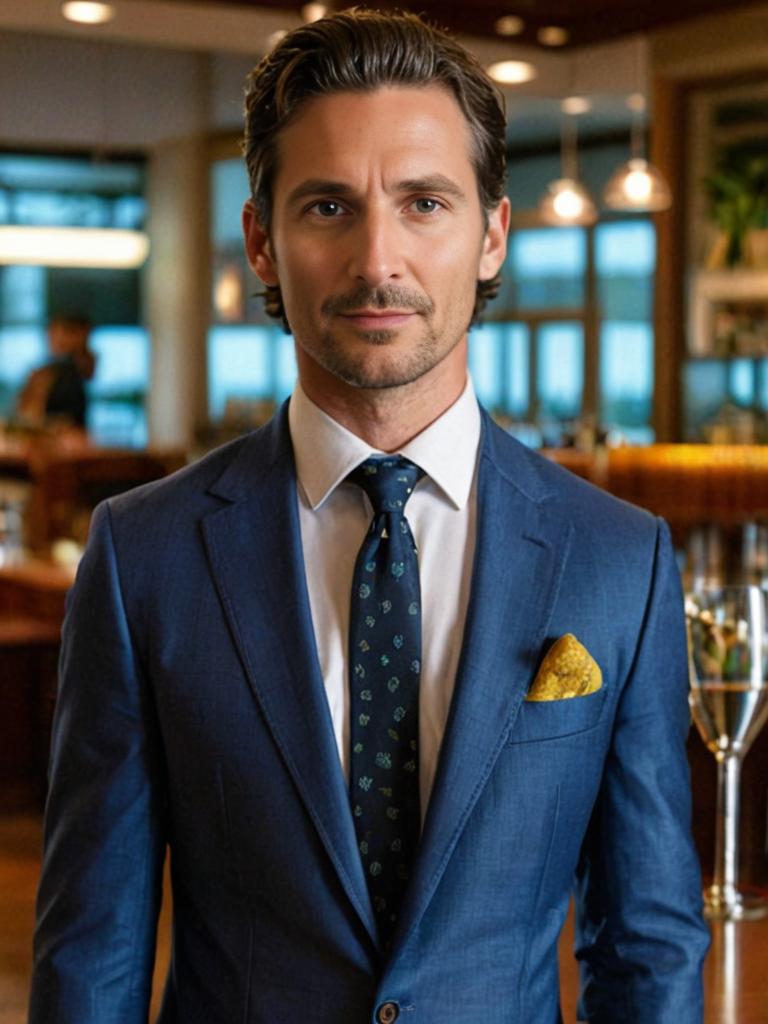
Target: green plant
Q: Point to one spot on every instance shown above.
(738, 196)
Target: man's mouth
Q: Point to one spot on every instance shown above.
(378, 319)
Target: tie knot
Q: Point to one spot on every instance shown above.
(388, 481)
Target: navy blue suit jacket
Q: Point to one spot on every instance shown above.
(192, 712)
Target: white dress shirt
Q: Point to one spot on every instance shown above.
(334, 516)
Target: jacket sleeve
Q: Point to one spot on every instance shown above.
(101, 883)
(640, 936)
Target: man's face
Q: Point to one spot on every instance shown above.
(377, 237)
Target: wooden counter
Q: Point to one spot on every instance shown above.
(688, 484)
(31, 611)
(66, 475)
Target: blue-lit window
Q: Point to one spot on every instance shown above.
(116, 413)
(560, 371)
(248, 363)
(250, 357)
(22, 349)
(229, 190)
(22, 294)
(742, 381)
(529, 359)
(625, 260)
(545, 269)
(499, 356)
(77, 192)
(626, 375)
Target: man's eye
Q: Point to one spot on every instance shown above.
(328, 208)
(426, 205)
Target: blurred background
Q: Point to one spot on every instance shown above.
(629, 340)
(624, 324)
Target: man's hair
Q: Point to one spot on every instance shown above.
(360, 51)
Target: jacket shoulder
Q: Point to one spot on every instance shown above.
(558, 491)
(199, 487)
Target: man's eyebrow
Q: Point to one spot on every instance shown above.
(431, 183)
(318, 187)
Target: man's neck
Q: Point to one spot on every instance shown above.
(387, 418)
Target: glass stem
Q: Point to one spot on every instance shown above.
(727, 844)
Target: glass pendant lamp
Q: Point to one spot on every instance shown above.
(637, 186)
(567, 201)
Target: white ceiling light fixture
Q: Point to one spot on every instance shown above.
(512, 72)
(637, 186)
(88, 12)
(509, 25)
(114, 248)
(567, 202)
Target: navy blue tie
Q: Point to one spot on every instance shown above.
(385, 663)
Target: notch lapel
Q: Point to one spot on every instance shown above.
(520, 552)
(254, 548)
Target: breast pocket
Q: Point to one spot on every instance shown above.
(552, 719)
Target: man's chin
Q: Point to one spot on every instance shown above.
(377, 374)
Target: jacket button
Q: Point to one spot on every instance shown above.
(387, 1013)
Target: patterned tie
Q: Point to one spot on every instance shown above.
(385, 662)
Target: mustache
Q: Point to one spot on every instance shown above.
(387, 296)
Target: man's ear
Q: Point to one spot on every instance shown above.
(258, 247)
(495, 242)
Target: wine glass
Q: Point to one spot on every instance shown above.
(728, 656)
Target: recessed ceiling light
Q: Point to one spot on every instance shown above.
(576, 105)
(509, 25)
(314, 11)
(88, 12)
(553, 35)
(512, 72)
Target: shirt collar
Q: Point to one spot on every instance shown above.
(326, 452)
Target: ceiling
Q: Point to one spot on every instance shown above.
(585, 21)
(606, 59)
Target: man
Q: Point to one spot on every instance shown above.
(56, 392)
(385, 682)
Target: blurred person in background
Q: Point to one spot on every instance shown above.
(56, 392)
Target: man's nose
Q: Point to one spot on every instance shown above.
(377, 253)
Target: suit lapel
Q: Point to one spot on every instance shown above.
(254, 548)
(521, 549)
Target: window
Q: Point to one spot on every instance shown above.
(538, 331)
(568, 338)
(248, 363)
(625, 259)
(251, 360)
(77, 192)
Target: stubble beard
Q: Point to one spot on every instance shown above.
(366, 369)
(377, 371)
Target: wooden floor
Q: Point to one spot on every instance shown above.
(736, 972)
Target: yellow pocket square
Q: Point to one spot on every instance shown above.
(568, 670)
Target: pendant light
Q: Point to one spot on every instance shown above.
(637, 186)
(566, 201)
